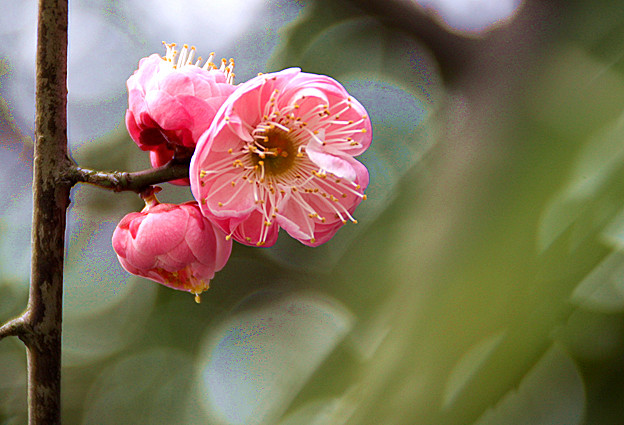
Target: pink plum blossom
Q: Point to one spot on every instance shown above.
(280, 154)
(174, 245)
(172, 101)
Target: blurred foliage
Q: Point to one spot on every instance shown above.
(482, 285)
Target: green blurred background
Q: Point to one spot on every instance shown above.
(483, 284)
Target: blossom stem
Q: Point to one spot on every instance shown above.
(123, 181)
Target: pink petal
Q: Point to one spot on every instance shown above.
(148, 66)
(250, 231)
(340, 167)
(160, 233)
(182, 253)
(133, 128)
(295, 219)
(120, 241)
(235, 200)
(167, 111)
(177, 84)
(138, 258)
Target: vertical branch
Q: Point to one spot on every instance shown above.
(50, 202)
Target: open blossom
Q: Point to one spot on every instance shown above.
(172, 101)
(174, 245)
(280, 154)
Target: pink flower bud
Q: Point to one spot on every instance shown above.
(280, 154)
(172, 100)
(171, 244)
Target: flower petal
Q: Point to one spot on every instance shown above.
(340, 167)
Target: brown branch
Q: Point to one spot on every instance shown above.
(16, 327)
(136, 181)
(50, 202)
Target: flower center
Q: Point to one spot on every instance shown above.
(273, 150)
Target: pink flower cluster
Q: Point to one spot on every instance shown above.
(274, 152)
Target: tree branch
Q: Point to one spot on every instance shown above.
(50, 202)
(16, 327)
(136, 181)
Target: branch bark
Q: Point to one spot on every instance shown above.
(50, 202)
(17, 327)
(124, 181)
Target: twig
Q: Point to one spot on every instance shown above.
(136, 181)
(16, 327)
